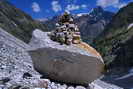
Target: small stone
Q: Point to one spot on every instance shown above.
(47, 80)
(45, 83)
(76, 41)
(53, 86)
(64, 86)
(70, 87)
(3, 67)
(4, 80)
(27, 75)
(80, 87)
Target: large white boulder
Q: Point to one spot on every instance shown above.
(76, 64)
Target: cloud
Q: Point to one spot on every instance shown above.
(55, 6)
(71, 1)
(72, 7)
(84, 6)
(106, 3)
(36, 7)
(113, 3)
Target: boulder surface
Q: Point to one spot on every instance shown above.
(76, 64)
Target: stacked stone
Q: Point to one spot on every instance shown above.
(66, 31)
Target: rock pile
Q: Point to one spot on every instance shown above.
(66, 32)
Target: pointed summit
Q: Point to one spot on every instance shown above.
(96, 11)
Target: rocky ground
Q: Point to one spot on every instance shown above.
(16, 67)
(17, 72)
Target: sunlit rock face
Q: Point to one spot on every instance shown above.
(76, 63)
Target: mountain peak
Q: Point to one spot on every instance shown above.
(97, 9)
(81, 14)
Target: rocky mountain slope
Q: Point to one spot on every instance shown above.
(115, 43)
(16, 22)
(90, 24)
(16, 68)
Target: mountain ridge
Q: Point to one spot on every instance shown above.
(115, 42)
(90, 24)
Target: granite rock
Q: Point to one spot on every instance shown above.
(69, 64)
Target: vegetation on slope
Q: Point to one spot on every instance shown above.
(16, 22)
(115, 43)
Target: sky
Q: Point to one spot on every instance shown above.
(40, 9)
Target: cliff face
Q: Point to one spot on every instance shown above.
(93, 24)
(115, 43)
(16, 22)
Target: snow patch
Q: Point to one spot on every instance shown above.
(81, 14)
(131, 70)
(127, 75)
(130, 26)
(98, 84)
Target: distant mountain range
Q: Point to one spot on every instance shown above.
(90, 24)
(21, 25)
(17, 22)
(116, 42)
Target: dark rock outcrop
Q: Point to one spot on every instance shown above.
(93, 24)
(76, 64)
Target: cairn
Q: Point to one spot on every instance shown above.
(66, 31)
